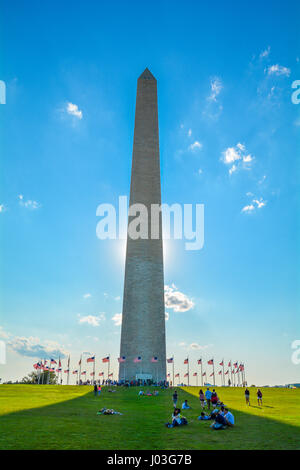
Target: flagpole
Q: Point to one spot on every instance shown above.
(223, 372)
(214, 372)
(201, 374)
(80, 360)
(231, 372)
(108, 366)
(68, 370)
(94, 371)
(188, 369)
(173, 370)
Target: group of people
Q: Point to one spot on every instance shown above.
(221, 417)
(148, 393)
(258, 394)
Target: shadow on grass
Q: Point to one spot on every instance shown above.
(74, 424)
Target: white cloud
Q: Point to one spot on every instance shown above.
(278, 70)
(167, 316)
(87, 296)
(215, 88)
(197, 346)
(232, 169)
(230, 155)
(265, 53)
(73, 110)
(176, 300)
(2, 208)
(34, 347)
(195, 146)
(248, 208)
(260, 203)
(118, 297)
(93, 320)
(247, 158)
(189, 132)
(117, 319)
(237, 158)
(29, 204)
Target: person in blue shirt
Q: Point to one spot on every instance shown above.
(204, 417)
(185, 405)
(208, 395)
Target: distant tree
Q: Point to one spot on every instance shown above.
(36, 377)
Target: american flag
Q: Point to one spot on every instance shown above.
(226, 372)
(220, 372)
(154, 359)
(91, 359)
(58, 370)
(195, 374)
(83, 373)
(186, 375)
(37, 365)
(170, 360)
(92, 373)
(111, 374)
(176, 375)
(210, 362)
(59, 363)
(199, 361)
(122, 359)
(212, 374)
(137, 359)
(222, 363)
(235, 364)
(53, 361)
(66, 371)
(229, 364)
(101, 373)
(168, 375)
(241, 367)
(204, 373)
(105, 359)
(75, 371)
(79, 363)
(186, 361)
(52, 369)
(46, 367)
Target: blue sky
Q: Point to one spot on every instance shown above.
(229, 137)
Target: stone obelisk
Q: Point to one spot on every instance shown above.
(143, 317)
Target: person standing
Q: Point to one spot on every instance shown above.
(259, 397)
(247, 396)
(201, 398)
(175, 398)
(95, 389)
(208, 395)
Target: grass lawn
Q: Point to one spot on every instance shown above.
(64, 417)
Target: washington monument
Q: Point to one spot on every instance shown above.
(143, 341)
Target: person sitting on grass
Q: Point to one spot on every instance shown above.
(185, 405)
(177, 419)
(141, 392)
(204, 417)
(219, 422)
(229, 418)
